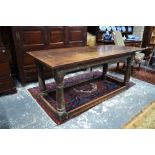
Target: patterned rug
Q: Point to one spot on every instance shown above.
(142, 74)
(79, 90)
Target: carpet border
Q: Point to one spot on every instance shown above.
(41, 108)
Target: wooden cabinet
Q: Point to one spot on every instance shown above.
(149, 41)
(99, 33)
(100, 40)
(6, 81)
(3, 57)
(43, 37)
(148, 36)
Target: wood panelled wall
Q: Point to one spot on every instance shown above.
(43, 37)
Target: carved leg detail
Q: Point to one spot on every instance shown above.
(41, 79)
(59, 76)
(91, 69)
(105, 69)
(128, 70)
(117, 66)
(139, 66)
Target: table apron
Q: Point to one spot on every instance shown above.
(92, 64)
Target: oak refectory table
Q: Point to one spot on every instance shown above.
(64, 60)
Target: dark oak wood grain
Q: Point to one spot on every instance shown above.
(61, 58)
(105, 69)
(6, 81)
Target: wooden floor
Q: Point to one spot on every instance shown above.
(143, 120)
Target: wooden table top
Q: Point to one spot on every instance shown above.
(63, 57)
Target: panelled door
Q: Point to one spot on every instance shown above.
(76, 36)
(56, 36)
(28, 38)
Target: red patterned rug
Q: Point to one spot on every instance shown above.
(77, 93)
(142, 74)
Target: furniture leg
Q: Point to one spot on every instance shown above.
(105, 69)
(132, 69)
(123, 65)
(128, 71)
(91, 69)
(59, 77)
(139, 66)
(149, 61)
(41, 79)
(117, 66)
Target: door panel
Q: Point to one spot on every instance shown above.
(3, 55)
(28, 38)
(28, 60)
(4, 69)
(6, 83)
(31, 38)
(76, 35)
(56, 36)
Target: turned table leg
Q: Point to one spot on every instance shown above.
(91, 69)
(117, 66)
(41, 79)
(105, 69)
(128, 70)
(59, 77)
